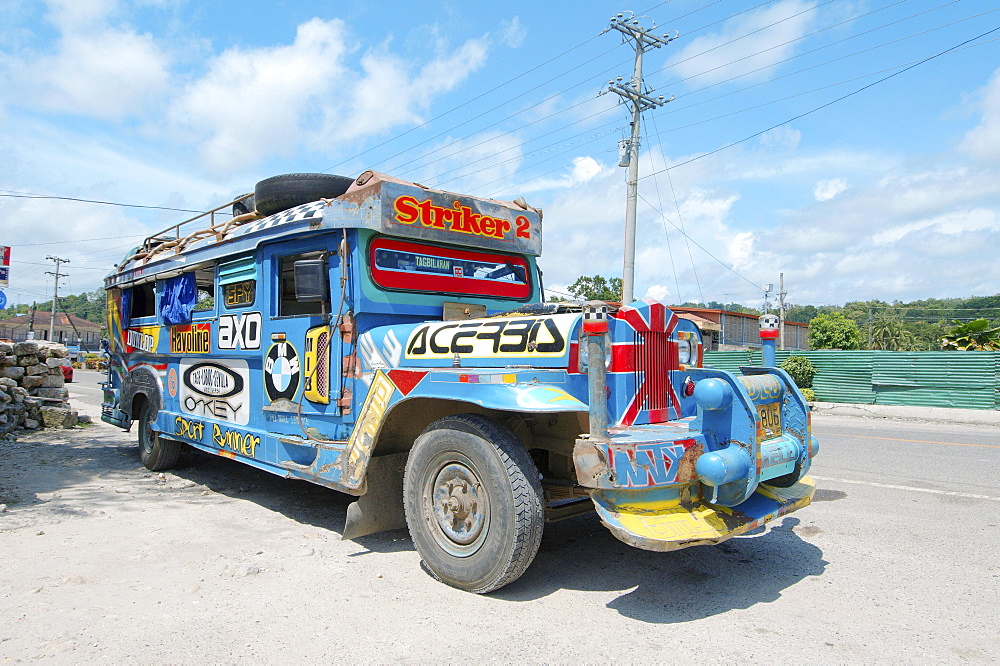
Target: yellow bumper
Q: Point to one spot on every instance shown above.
(654, 520)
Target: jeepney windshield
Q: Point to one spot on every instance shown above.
(397, 264)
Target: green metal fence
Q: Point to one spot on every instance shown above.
(969, 380)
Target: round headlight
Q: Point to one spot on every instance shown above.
(582, 360)
(685, 351)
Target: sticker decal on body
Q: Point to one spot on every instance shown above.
(215, 389)
(240, 331)
(281, 372)
(492, 338)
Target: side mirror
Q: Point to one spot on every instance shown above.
(311, 281)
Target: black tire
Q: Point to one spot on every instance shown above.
(473, 503)
(277, 193)
(157, 453)
(243, 206)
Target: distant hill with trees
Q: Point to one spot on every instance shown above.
(914, 326)
(88, 305)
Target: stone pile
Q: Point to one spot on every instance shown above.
(32, 392)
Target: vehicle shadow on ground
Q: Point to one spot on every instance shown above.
(678, 586)
(578, 553)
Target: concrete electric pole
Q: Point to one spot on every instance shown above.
(55, 292)
(781, 310)
(634, 91)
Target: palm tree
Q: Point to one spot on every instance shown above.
(887, 332)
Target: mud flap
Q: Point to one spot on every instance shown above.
(643, 520)
(381, 507)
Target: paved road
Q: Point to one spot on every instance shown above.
(896, 560)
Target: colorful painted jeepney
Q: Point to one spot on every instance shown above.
(390, 341)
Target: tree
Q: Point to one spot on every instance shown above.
(887, 332)
(834, 331)
(597, 288)
(976, 335)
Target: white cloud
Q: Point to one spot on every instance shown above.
(781, 137)
(477, 164)
(512, 33)
(273, 101)
(983, 141)
(658, 292)
(951, 223)
(253, 102)
(828, 189)
(584, 168)
(95, 69)
(77, 15)
(389, 78)
(731, 51)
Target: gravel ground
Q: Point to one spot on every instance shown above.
(103, 561)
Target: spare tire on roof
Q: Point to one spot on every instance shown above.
(277, 193)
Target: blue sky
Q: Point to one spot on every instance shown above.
(891, 193)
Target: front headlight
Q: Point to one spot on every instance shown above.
(582, 361)
(685, 351)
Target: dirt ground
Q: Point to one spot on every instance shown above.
(215, 562)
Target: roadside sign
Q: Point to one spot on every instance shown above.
(3, 300)
(4, 266)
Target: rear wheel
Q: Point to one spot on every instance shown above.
(473, 503)
(278, 193)
(157, 453)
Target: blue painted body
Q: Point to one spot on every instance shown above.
(304, 392)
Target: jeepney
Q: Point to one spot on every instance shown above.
(392, 342)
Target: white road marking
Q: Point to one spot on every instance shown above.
(919, 490)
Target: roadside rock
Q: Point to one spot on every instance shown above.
(30, 377)
(59, 417)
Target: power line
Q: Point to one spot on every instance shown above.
(569, 165)
(511, 80)
(26, 195)
(702, 247)
(555, 95)
(86, 240)
(823, 106)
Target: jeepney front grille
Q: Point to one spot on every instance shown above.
(654, 358)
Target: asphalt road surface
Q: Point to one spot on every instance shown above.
(896, 560)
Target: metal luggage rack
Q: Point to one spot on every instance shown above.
(171, 238)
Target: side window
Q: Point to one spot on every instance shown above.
(143, 300)
(238, 283)
(204, 279)
(288, 305)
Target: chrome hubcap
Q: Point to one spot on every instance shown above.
(459, 509)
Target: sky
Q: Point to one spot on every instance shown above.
(852, 146)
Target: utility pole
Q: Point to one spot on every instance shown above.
(55, 292)
(781, 310)
(869, 326)
(635, 92)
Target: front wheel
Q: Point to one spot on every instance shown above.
(473, 503)
(157, 453)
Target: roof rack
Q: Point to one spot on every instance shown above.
(176, 238)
